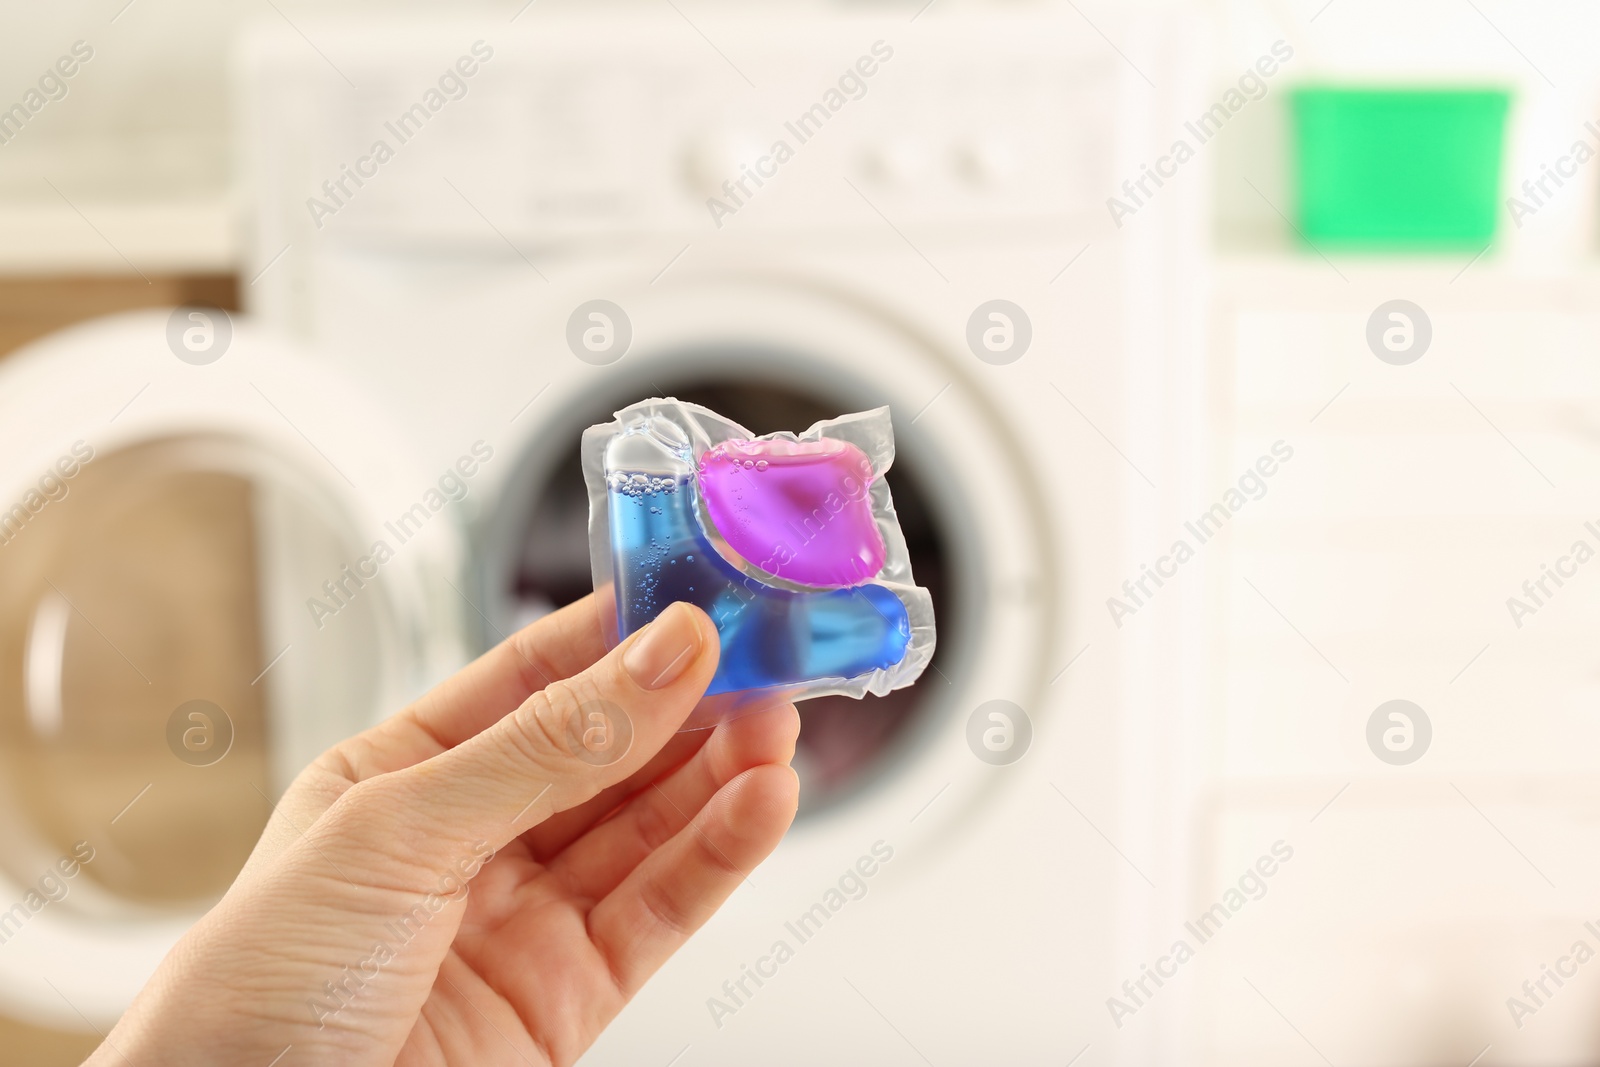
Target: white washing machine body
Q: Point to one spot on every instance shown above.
(577, 165)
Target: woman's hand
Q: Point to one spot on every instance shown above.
(372, 926)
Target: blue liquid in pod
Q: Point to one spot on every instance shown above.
(770, 637)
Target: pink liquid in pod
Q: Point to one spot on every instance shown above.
(799, 510)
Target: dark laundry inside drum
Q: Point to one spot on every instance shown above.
(842, 740)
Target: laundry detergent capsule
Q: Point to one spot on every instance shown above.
(788, 542)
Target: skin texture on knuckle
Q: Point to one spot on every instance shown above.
(672, 914)
(538, 729)
(658, 822)
(532, 665)
(385, 815)
(367, 812)
(383, 833)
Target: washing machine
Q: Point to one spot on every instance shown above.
(167, 517)
(489, 231)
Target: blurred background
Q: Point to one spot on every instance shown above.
(1242, 359)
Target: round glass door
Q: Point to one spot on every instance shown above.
(142, 606)
(537, 557)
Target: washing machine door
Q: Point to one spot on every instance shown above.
(198, 594)
(778, 353)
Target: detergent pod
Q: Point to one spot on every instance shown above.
(788, 542)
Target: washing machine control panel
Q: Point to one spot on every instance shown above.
(541, 133)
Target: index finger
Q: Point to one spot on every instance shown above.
(480, 694)
(556, 646)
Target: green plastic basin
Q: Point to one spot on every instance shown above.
(1400, 169)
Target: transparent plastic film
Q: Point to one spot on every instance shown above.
(789, 542)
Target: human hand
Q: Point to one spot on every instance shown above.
(350, 936)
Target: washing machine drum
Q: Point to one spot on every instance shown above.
(781, 357)
(163, 525)
(541, 559)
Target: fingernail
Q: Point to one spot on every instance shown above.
(664, 649)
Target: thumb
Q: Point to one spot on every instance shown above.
(565, 743)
